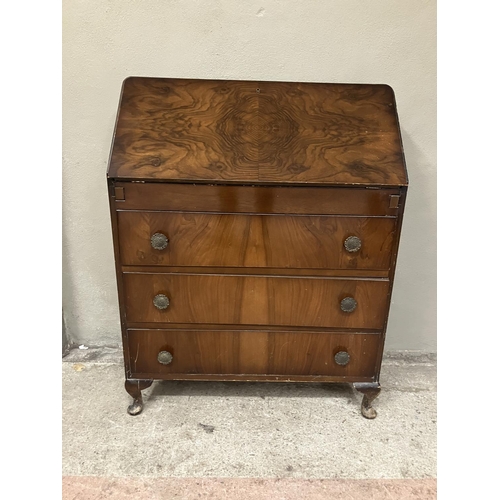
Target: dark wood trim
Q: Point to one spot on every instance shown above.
(252, 378)
(214, 272)
(369, 274)
(246, 328)
(291, 214)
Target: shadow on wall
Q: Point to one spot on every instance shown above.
(412, 321)
(65, 341)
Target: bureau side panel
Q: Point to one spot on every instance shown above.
(401, 207)
(118, 270)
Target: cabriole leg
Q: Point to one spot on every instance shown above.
(370, 391)
(134, 388)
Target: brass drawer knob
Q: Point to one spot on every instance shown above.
(159, 241)
(352, 244)
(342, 358)
(161, 301)
(348, 304)
(165, 357)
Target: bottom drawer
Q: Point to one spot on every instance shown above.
(163, 353)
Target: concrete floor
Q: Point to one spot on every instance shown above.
(264, 431)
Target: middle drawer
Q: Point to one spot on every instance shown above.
(255, 300)
(275, 241)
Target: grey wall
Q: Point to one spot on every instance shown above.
(376, 41)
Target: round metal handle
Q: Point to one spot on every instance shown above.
(342, 358)
(348, 304)
(352, 244)
(159, 241)
(161, 301)
(165, 357)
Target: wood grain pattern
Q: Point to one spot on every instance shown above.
(256, 199)
(255, 241)
(252, 353)
(251, 132)
(250, 300)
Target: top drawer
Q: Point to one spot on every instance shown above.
(260, 241)
(256, 199)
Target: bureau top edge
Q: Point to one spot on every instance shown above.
(257, 133)
(228, 182)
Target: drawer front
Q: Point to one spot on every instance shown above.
(277, 241)
(259, 353)
(255, 300)
(257, 199)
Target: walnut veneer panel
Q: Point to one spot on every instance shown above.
(255, 300)
(251, 352)
(255, 241)
(257, 132)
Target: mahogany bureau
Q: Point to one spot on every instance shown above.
(256, 228)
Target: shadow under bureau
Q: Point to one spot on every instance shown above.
(256, 228)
